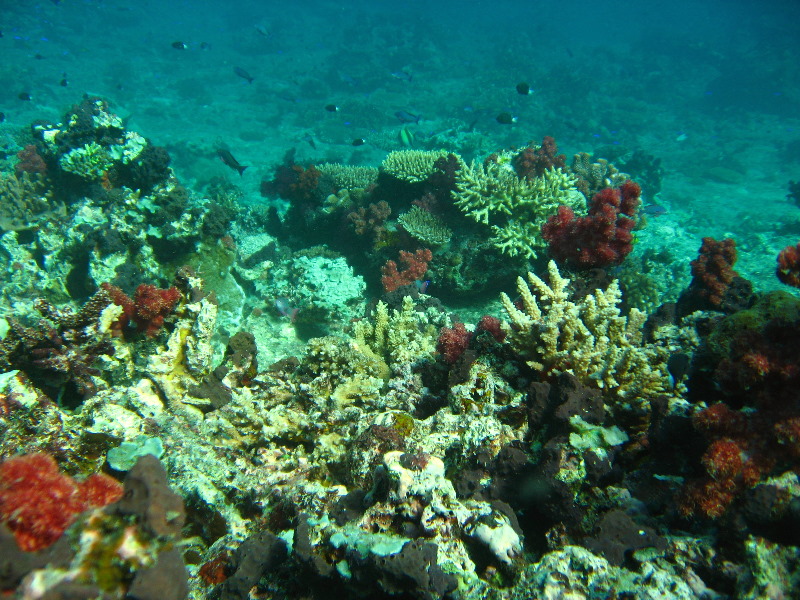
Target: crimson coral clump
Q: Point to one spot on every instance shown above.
(533, 162)
(416, 266)
(453, 341)
(148, 308)
(712, 270)
(603, 237)
(789, 265)
(38, 502)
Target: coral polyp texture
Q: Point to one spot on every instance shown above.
(789, 265)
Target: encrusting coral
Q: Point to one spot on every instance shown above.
(588, 338)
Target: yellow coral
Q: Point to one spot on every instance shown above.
(589, 339)
(402, 337)
(348, 177)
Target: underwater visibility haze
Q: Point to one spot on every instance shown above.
(400, 300)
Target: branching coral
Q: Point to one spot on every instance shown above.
(595, 176)
(516, 208)
(64, 351)
(588, 338)
(400, 337)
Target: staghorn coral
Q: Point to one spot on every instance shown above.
(413, 166)
(588, 338)
(516, 208)
(26, 201)
(425, 226)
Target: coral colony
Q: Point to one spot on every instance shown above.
(201, 401)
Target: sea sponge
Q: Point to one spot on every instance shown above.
(516, 208)
(588, 338)
(425, 227)
(412, 166)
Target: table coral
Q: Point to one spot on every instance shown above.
(589, 338)
(412, 166)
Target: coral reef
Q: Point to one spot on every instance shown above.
(535, 162)
(27, 202)
(603, 237)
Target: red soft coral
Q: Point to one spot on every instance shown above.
(38, 502)
(453, 341)
(416, 266)
(603, 237)
(147, 309)
(712, 270)
(789, 265)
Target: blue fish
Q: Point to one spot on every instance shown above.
(406, 117)
(654, 210)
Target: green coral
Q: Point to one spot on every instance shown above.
(348, 177)
(89, 162)
(425, 227)
(516, 208)
(412, 166)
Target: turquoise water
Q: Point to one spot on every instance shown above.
(204, 150)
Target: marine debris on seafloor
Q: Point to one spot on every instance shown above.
(202, 399)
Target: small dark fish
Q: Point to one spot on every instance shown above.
(262, 30)
(331, 108)
(205, 46)
(654, 210)
(505, 118)
(230, 161)
(308, 138)
(243, 74)
(63, 82)
(402, 75)
(2, 117)
(406, 117)
(180, 45)
(24, 96)
(678, 367)
(359, 142)
(38, 57)
(523, 88)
